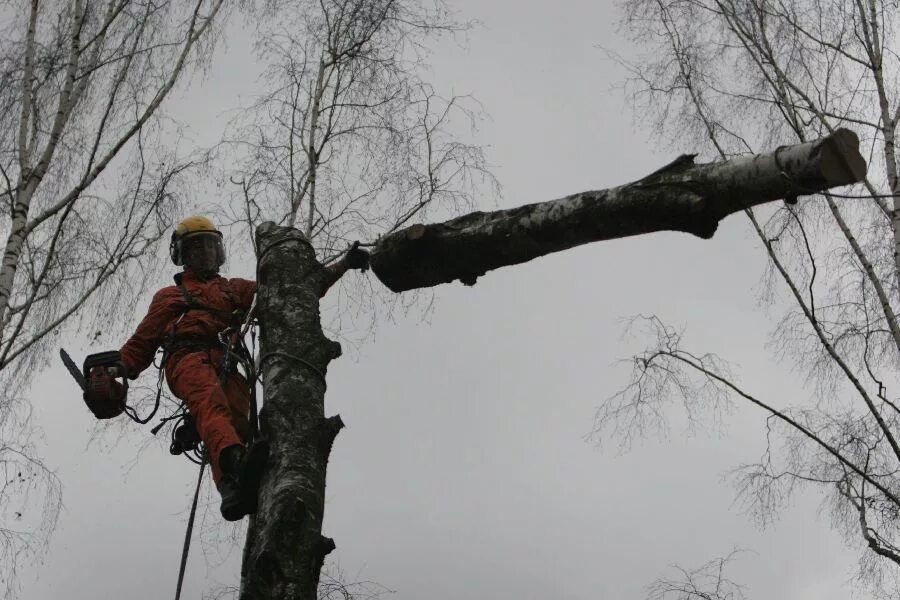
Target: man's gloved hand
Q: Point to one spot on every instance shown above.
(356, 258)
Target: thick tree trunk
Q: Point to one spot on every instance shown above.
(285, 547)
(681, 196)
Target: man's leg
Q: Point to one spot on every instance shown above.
(220, 414)
(238, 392)
(195, 381)
(253, 461)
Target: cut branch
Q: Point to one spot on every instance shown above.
(682, 196)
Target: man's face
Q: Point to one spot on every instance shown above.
(201, 253)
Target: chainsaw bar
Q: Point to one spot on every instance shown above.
(73, 369)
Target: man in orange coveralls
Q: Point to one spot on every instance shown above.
(186, 319)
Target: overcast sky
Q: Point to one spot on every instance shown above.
(464, 471)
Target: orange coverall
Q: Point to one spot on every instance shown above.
(220, 412)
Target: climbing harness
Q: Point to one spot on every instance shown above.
(184, 438)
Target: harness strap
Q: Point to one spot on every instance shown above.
(235, 316)
(198, 343)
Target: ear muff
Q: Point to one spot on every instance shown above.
(175, 249)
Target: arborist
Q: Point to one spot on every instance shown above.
(186, 320)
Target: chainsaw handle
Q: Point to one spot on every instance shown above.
(123, 374)
(111, 360)
(119, 372)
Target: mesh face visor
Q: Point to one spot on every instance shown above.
(201, 238)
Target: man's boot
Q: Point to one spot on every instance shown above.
(242, 471)
(230, 461)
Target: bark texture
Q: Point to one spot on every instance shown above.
(285, 547)
(682, 196)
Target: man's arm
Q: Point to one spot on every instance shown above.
(138, 351)
(244, 289)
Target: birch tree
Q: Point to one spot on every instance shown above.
(353, 144)
(87, 190)
(729, 77)
(348, 141)
(285, 547)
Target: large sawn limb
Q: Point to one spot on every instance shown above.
(682, 196)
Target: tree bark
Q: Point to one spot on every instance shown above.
(285, 548)
(682, 196)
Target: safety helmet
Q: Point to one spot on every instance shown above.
(192, 227)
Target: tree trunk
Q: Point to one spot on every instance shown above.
(285, 548)
(682, 196)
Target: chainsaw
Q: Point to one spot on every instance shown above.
(98, 378)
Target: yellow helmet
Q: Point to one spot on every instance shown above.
(191, 227)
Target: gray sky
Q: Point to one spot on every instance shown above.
(464, 472)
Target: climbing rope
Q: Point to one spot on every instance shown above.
(274, 354)
(250, 367)
(190, 530)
